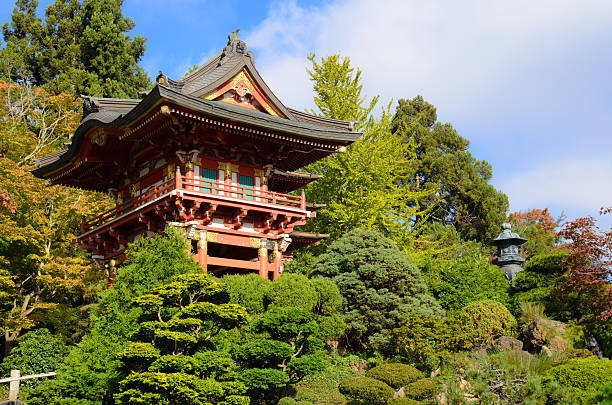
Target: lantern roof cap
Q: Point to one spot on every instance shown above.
(507, 236)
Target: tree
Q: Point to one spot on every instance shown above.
(378, 283)
(177, 322)
(89, 370)
(590, 269)
(82, 47)
(539, 228)
(362, 187)
(457, 281)
(338, 91)
(468, 201)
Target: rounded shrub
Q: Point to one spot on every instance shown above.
(287, 401)
(422, 389)
(395, 374)
(366, 389)
(485, 320)
(580, 375)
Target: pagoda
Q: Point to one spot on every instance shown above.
(215, 154)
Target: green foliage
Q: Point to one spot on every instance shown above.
(486, 319)
(580, 375)
(338, 90)
(470, 277)
(250, 291)
(603, 333)
(422, 389)
(322, 387)
(361, 188)
(190, 311)
(263, 379)
(367, 389)
(293, 290)
(403, 401)
(530, 311)
(395, 375)
(600, 394)
(379, 285)
(469, 202)
(427, 339)
(90, 368)
(553, 262)
(542, 274)
(36, 352)
(81, 47)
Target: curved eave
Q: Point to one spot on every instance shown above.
(217, 109)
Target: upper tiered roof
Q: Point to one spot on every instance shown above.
(225, 93)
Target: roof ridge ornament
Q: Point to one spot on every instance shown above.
(233, 37)
(234, 46)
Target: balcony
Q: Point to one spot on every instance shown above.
(213, 191)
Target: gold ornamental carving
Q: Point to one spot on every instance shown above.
(99, 138)
(169, 170)
(263, 252)
(212, 236)
(228, 167)
(135, 189)
(255, 242)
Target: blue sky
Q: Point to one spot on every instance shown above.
(528, 83)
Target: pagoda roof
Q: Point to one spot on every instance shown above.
(195, 94)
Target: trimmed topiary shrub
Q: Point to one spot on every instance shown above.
(486, 320)
(422, 389)
(287, 401)
(395, 374)
(366, 389)
(580, 375)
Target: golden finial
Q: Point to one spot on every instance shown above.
(233, 37)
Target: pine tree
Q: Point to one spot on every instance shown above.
(82, 47)
(443, 160)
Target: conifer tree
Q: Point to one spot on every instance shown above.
(443, 160)
(81, 47)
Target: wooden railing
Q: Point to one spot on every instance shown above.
(199, 186)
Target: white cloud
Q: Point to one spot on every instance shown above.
(578, 184)
(526, 81)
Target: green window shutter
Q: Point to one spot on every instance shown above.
(247, 181)
(208, 175)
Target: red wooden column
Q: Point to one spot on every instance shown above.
(263, 258)
(203, 252)
(189, 174)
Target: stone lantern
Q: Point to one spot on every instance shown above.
(508, 258)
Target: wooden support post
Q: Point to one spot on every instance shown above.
(14, 385)
(277, 262)
(177, 178)
(203, 252)
(263, 258)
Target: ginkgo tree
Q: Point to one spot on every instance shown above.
(365, 187)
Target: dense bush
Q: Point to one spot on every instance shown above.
(395, 375)
(422, 389)
(580, 375)
(366, 389)
(36, 352)
(426, 339)
(467, 278)
(379, 285)
(541, 275)
(249, 290)
(485, 320)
